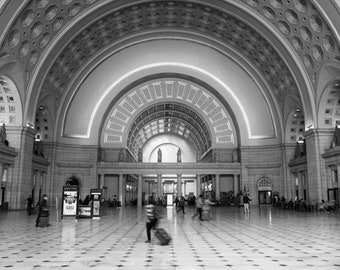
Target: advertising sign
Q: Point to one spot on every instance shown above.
(96, 195)
(69, 201)
(84, 211)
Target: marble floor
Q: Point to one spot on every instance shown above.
(266, 238)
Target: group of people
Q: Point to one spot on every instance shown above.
(180, 204)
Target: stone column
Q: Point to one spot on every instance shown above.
(198, 185)
(21, 138)
(159, 185)
(179, 185)
(236, 185)
(217, 186)
(121, 190)
(316, 143)
(37, 185)
(139, 190)
(9, 183)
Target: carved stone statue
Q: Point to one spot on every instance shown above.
(298, 150)
(140, 155)
(3, 134)
(159, 155)
(38, 149)
(121, 156)
(179, 155)
(336, 136)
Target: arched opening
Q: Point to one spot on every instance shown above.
(265, 193)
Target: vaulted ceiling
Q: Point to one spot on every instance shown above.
(50, 50)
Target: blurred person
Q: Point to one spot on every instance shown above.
(29, 206)
(151, 216)
(199, 205)
(43, 213)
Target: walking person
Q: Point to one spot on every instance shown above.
(29, 206)
(151, 216)
(43, 213)
(199, 205)
(246, 201)
(181, 204)
(206, 214)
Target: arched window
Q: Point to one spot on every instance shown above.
(264, 184)
(72, 181)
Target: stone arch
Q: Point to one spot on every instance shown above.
(265, 190)
(264, 183)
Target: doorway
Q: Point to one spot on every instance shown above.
(333, 195)
(265, 197)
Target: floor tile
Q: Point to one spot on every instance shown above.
(268, 238)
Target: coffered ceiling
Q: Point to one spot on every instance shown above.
(57, 42)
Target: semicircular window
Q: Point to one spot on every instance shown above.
(172, 118)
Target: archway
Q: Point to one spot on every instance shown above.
(265, 194)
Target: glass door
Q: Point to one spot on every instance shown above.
(265, 197)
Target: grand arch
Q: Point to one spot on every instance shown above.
(80, 76)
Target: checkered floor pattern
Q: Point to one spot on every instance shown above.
(267, 238)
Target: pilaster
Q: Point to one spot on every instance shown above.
(317, 141)
(22, 139)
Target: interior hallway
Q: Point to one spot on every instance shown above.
(266, 239)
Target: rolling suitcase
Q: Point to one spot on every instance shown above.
(44, 222)
(162, 236)
(205, 215)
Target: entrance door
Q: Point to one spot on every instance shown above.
(333, 195)
(265, 197)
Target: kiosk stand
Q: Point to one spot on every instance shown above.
(96, 195)
(69, 201)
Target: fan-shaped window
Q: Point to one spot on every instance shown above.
(169, 118)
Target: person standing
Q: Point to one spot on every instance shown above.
(246, 201)
(151, 216)
(29, 205)
(199, 205)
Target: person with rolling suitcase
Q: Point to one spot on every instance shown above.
(163, 237)
(151, 216)
(43, 213)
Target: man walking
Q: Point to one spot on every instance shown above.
(199, 205)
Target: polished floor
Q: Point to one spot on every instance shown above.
(266, 238)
